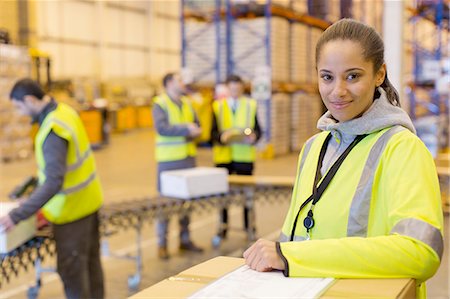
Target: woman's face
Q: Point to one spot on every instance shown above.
(346, 80)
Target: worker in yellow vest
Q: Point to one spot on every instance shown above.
(69, 189)
(366, 200)
(176, 127)
(235, 130)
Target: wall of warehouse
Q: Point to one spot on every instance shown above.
(9, 18)
(109, 39)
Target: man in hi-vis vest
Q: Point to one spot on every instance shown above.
(176, 126)
(69, 190)
(235, 130)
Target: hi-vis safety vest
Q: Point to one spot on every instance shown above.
(380, 217)
(81, 193)
(174, 148)
(243, 117)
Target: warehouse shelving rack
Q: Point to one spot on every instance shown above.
(227, 13)
(428, 106)
(236, 63)
(210, 16)
(270, 10)
(433, 12)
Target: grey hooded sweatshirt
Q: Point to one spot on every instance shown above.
(379, 116)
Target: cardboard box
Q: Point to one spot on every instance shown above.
(21, 233)
(193, 279)
(194, 182)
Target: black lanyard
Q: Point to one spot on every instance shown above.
(308, 222)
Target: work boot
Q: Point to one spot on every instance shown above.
(189, 246)
(163, 253)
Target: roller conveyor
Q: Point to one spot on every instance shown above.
(134, 213)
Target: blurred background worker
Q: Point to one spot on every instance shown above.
(69, 189)
(235, 130)
(176, 126)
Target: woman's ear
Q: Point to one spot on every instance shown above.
(380, 75)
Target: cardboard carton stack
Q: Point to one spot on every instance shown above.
(301, 58)
(314, 38)
(306, 110)
(279, 122)
(15, 138)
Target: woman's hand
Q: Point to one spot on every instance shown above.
(263, 257)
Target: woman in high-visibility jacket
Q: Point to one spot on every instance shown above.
(366, 202)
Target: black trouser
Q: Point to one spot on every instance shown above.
(78, 257)
(240, 169)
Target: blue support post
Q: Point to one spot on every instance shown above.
(183, 34)
(421, 54)
(186, 41)
(268, 15)
(218, 42)
(229, 38)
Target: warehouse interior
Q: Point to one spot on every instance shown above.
(106, 59)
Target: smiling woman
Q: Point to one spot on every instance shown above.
(347, 81)
(366, 202)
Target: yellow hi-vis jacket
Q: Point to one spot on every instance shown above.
(380, 217)
(244, 117)
(174, 148)
(81, 193)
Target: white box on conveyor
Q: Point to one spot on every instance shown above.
(194, 182)
(22, 232)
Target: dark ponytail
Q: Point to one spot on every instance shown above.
(391, 92)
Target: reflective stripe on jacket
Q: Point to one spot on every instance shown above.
(81, 193)
(380, 217)
(174, 148)
(242, 118)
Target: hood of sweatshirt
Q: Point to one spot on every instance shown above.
(379, 116)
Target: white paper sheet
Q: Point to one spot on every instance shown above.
(247, 283)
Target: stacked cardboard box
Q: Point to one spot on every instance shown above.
(300, 6)
(334, 10)
(15, 139)
(279, 107)
(306, 110)
(314, 38)
(369, 12)
(303, 52)
(301, 58)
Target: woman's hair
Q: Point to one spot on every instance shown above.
(371, 43)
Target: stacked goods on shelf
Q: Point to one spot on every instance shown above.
(301, 58)
(306, 109)
(300, 6)
(203, 5)
(249, 49)
(201, 51)
(314, 38)
(303, 51)
(15, 129)
(369, 12)
(334, 10)
(279, 121)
